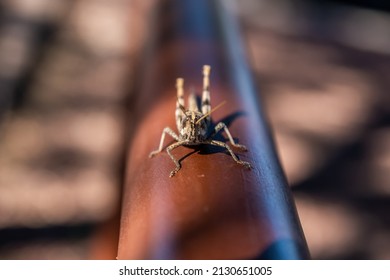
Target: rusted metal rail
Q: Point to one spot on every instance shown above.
(212, 208)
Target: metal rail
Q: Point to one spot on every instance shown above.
(212, 208)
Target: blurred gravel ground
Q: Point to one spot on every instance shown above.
(65, 73)
(66, 70)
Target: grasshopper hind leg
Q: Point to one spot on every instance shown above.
(206, 106)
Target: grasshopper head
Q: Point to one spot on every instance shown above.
(193, 128)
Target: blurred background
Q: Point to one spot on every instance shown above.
(66, 72)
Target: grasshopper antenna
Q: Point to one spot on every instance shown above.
(213, 110)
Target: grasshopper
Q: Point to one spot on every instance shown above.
(193, 124)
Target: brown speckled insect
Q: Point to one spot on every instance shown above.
(193, 125)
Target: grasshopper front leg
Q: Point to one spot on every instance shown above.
(177, 163)
(166, 130)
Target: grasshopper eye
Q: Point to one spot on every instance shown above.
(184, 122)
(199, 122)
